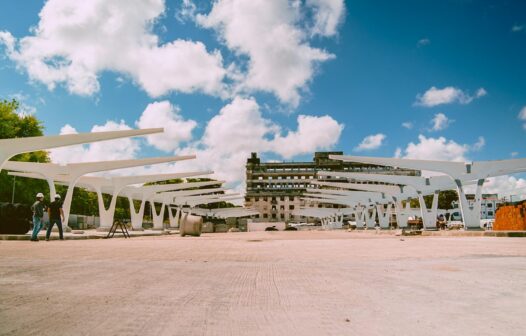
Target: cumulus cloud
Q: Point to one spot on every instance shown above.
(176, 129)
(440, 122)
(240, 129)
(313, 133)
(371, 142)
(280, 58)
(505, 186)
(447, 95)
(75, 41)
(435, 149)
(522, 116)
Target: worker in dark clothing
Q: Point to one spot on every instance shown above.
(56, 216)
(38, 212)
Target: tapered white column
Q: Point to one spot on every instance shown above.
(136, 216)
(370, 217)
(384, 215)
(157, 217)
(470, 210)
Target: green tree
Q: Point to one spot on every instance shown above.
(17, 125)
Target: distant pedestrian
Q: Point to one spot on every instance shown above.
(56, 216)
(38, 213)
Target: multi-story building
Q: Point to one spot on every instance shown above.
(275, 188)
(488, 206)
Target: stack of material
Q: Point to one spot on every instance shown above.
(510, 218)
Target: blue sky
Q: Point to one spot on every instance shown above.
(370, 62)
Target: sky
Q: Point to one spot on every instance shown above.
(439, 80)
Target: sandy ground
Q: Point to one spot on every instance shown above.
(268, 283)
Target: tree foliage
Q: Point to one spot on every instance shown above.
(17, 125)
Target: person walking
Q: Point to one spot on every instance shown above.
(38, 213)
(56, 216)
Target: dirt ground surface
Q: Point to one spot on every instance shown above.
(264, 283)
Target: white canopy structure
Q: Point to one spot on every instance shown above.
(112, 186)
(397, 193)
(168, 197)
(72, 172)
(144, 193)
(422, 186)
(326, 215)
(359, 201)
(12, 147)
(460, 172)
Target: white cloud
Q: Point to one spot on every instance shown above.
(408, 125)
(281, 60)
(328, 15)
(75, 41)
(447, 95)
(440, 122)
(514, 154)
(505, 186)
(517, 28)
(119, 149)
(423, 42)
(398, 152)
(176, 129)
(436, 149)
(371, 142)
(240, 129)
(522, 116)
(314, 133)
(481, 142)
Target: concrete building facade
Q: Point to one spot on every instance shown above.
(275, 188)
(488, 206)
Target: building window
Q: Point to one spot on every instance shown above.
(291, 198)
(265, 199)
(265, 216)
(273, 215)
(282, 198)
(291, 207)
(282, 207)
(256, 199)
(490, 205)
(490, 213)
